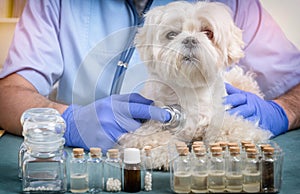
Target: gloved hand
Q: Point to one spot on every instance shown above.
(104, 121)
(268, 114)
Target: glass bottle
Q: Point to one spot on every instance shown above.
(95, 170)
(113, 171)
(44, 162)
(78, 171)
(216, 173)
(132, 170)
(251, 172)
(268, 170)
(182, 171)
(197, 144)
(223, 145)
(234, 175)
(232, 144)
(27, 114)
(243, 151)
(261, 149)
(210, 146)
(199, 171)
(148, 166)
(174, 149)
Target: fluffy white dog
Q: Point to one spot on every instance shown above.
(188, 49)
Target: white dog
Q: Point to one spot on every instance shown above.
(188, 49)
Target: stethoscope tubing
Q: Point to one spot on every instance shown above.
(128, 52)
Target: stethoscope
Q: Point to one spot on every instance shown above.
(127, 53)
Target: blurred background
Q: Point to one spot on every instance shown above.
(286, 13)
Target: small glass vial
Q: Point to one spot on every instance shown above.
(44, 162)
(243, 151)
(182, 171)
(78, 172)
(95, 170)
(234, 167)
(132, 170)
(148, 166)
(29, 114)
(268, 161)
(223, 145)
(251, 172)
(199, 171)
(174, 149)
(261, 150)
(216, 173)
(232, 144)
(212, 145)
(113, 171)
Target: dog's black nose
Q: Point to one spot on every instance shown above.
(190, 42)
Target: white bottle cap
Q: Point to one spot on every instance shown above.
(132, 156)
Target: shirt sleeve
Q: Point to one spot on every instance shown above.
(268, 52)
(35, 51)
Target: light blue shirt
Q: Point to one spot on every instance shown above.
(78, 43)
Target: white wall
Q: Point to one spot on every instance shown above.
(287, 15)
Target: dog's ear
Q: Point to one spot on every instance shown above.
(228, 37)
(235, 45)
(144, 38)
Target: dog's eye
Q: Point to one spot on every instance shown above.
(209, 34)
(171, 35)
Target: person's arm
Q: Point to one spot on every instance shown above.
(16, 96)
(290, 102)
(99, 124)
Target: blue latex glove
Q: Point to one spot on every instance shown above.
(103, 122)
(268, 114)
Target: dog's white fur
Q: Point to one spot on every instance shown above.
(188, 66)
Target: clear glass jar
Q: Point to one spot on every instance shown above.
(181, 177)
(234, 167)
(199, 171)
(132, 170)
(251, 172)
(148, 168)
(216, 173)
(268, 170)
(113, 171)
(28, 114)
(44, 162)
(95, 170)
(78, 172)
